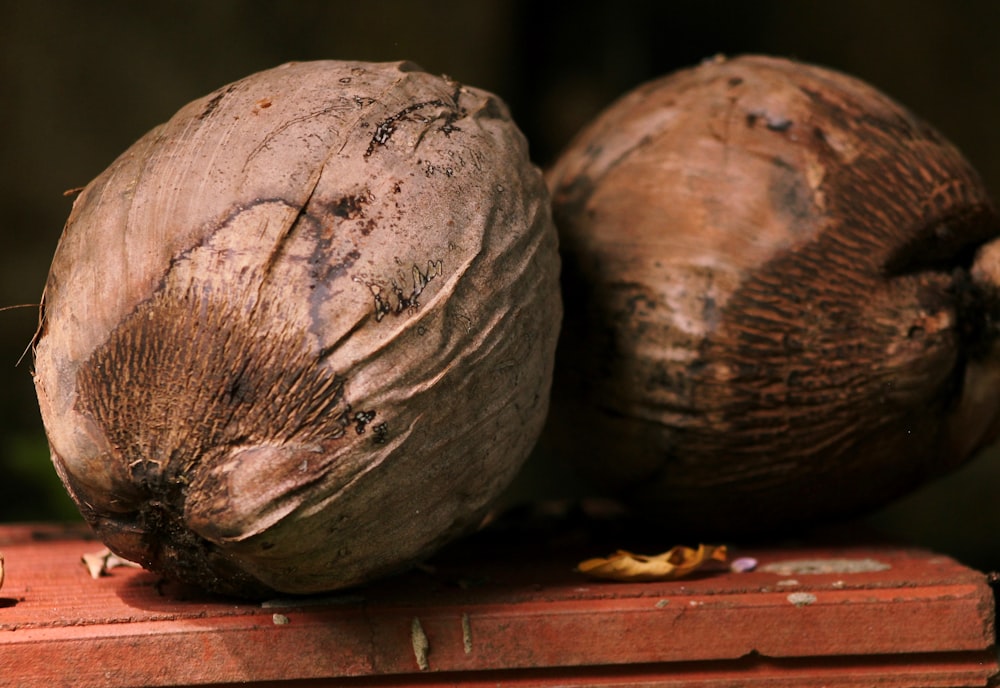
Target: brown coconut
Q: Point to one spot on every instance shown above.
(781, 300)
(301, 335)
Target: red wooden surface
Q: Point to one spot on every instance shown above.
(503, 610)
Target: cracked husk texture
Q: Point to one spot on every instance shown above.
(302, 334)
(780, 299)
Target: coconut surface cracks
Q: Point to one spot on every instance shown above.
(774, 268)
(301, 335)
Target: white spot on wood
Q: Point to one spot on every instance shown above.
(801, 599)
(802, 567)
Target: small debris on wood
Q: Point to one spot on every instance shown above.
(743, 565)
(421, 644)
(801, 599)
(466, 634)
(279, 619)
(100, 563)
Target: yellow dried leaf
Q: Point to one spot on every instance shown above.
(675, 563)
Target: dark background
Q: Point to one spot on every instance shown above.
(80, 81)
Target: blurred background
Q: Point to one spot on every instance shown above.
(80, 81)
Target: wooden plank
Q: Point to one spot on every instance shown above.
(502, 608)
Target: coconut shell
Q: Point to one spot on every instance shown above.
(302, 334)
(772, 313)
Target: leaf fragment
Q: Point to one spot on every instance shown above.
(675, 563)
